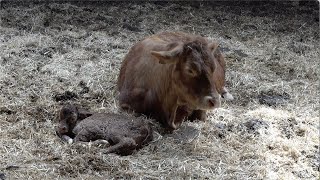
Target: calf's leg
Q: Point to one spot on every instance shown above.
(83, 135)
(125, 146)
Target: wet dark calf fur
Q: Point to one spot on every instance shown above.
(125, 134)
(172, 76)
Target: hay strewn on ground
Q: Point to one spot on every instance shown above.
(55, 53)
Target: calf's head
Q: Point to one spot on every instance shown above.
(69, 116)
(194, 65)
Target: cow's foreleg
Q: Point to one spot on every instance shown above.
(172, 118)
(198, 115)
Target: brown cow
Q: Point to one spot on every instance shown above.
(171, 76)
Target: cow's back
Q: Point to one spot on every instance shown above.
(139, 65)
(140, 68)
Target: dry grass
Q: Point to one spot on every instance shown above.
(57, 53)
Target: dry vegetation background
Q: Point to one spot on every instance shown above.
(53, 53)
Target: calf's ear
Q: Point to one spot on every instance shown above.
(83, 113)
(170, 56)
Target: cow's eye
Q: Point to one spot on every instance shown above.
(191, 72)
(74, 117)
(192, 69)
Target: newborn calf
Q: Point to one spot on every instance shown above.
(125, 134)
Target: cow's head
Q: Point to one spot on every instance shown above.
(194, 66)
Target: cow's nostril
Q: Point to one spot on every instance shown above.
(63, 129)
(211, 102)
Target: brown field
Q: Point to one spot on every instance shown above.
(55, 53)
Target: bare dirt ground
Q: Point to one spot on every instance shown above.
(54, 53)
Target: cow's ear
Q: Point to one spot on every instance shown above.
(170, 56)
(215, 49)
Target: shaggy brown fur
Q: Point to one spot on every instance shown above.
(171, 76)
(125, 134)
